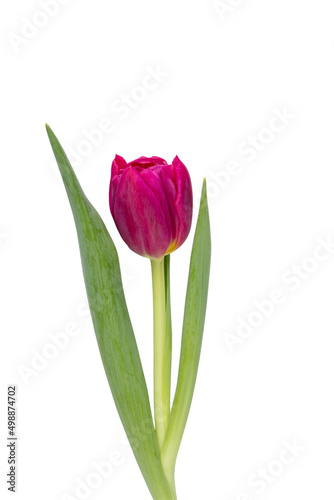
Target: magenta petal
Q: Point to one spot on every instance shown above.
(170, 192)
(178, 188)
(144, 162)
(114, 182)
(118, 165)
(152, 178)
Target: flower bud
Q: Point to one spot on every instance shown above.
(151, 203)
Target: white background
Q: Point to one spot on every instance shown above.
(224, 76)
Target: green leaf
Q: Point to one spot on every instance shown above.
(192, 334)
(113, 329)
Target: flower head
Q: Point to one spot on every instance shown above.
(151, 203)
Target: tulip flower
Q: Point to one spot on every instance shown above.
(151, 203)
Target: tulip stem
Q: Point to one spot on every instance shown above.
(162, 345)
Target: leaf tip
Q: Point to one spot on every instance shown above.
(48, 130)
(204, 192)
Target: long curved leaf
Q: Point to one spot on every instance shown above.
(192, 334)
(113, 328)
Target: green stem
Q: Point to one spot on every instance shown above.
(162, 356)
(170, 476)
(162, 346)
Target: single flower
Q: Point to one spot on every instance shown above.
(151, 203)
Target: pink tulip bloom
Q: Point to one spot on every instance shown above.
(151, 203)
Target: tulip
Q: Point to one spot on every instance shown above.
(151, 203)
